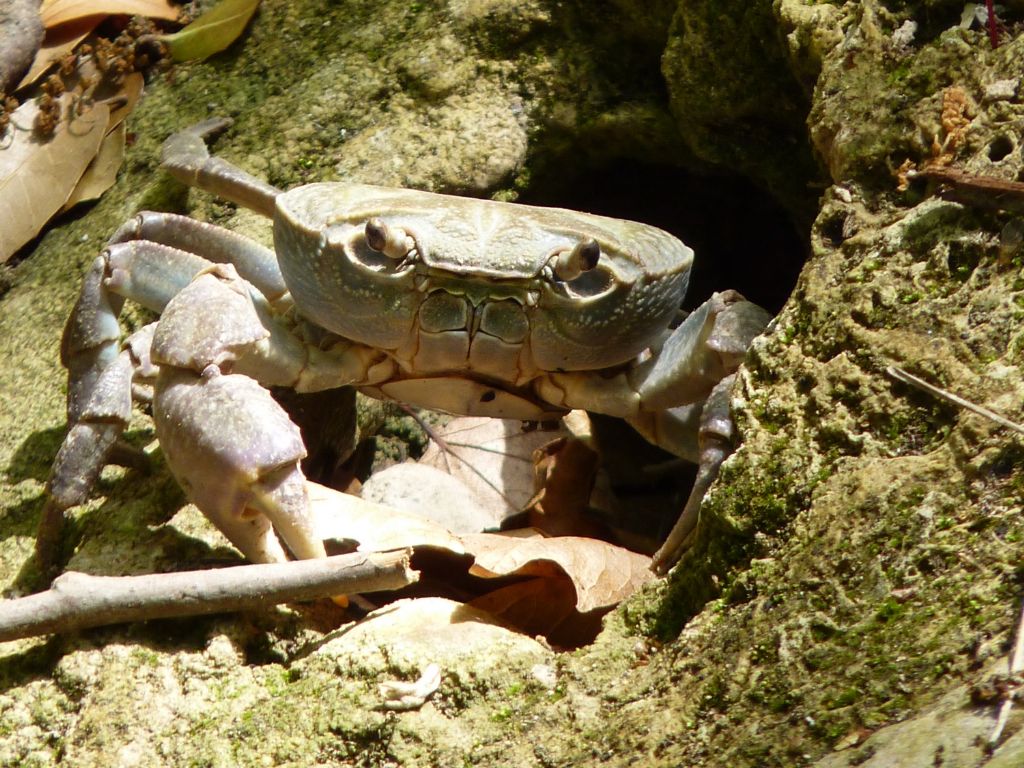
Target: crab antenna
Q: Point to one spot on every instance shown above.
(571, 264)
(393, 242)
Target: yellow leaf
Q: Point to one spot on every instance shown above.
(36, 177)
(214, 31)
(54, 12)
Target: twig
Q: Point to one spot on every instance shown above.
(975, 190)
(942, 394)
(78, 600)
(1016, 666)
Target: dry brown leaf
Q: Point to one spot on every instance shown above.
(102, 171)
(536, 606)
(37, 177)
(56, 12)
(564, 473)
(493, 458)
(429, 492)
(375, 527)
(602, 573)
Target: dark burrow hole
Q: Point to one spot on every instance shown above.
(999, 148)
(742, 238)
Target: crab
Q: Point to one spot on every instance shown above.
(470, 306)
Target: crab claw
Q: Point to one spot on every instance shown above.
(236, 453)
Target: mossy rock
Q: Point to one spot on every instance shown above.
(857, 571)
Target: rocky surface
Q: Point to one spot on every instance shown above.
(857, 580)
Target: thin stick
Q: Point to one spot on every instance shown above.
(977, 190)
(1017, 659)
(78, 600)
(942, 394)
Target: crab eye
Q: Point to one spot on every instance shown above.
(393, 242)
(582, 258)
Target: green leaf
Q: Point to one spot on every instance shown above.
(214, 31)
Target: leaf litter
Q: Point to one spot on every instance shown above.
(212, 32)
(558, 586)
(54, 153)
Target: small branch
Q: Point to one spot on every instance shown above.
(78, 600)
(975, 190)
(942, 394)
(1017, 658)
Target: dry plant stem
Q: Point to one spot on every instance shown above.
(1016, 666)
(77, 600)
(942, 394)
(990, 23)
(977, 191)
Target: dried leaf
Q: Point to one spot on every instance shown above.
(536, 606)
(493, 458)
(57, 44)
(431, 493)
(376, 528)
(564, 473)
(56, 12)
(602, 573)
(131, 90)
(102, 171)
(214, 31)
(37, 177)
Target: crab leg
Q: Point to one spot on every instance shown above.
(186, 157)
(715, 436)
(229, 444)
(254, 262)
(708, 346)
(236, 453)
(100, 371)
(678, 398)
